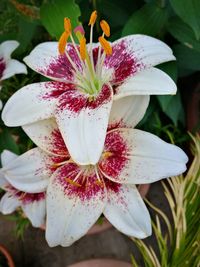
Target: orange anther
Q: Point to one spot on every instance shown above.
(72, 182)
(63, 42)
(107, 154)
(67, 25)
(83, 48)
(105, 45)
(105, 27)
(93, 18)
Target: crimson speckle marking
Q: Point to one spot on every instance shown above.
(2, 67)
(56, 89)
(122, 61)
(24, 197)
(88, 187)
(58, 144)
(112, 186)
(75, 101)
(61, 68)
(115, 163)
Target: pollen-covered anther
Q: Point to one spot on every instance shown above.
(107, 154)
(83, 50)
(93, 18)
(105, 45)
(72, 182)
(105, 27)
(63, 42)
(67, 25)
(100, 183)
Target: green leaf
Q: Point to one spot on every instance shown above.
(187, 58)
(188, 11)
(25, 34)
(53, 13)
(183, 33)
(171, 105)
(7, 142)
(150, 19)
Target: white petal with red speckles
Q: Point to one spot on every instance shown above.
(9, 203)
(134, 53)
(30, 172)
(45, 134)
(140, 157)
(31, 103)
(46, 60)
(7, 157)
(147, 82)
(128, 111)
(35, 211)
(127, 212)
(72, 210)
(83, 124)
(13, 67)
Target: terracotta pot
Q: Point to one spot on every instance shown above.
(7, 255)
(101, 263)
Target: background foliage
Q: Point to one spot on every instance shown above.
(173, 21)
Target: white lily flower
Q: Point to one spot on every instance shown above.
(8, 66)
(78, 194)
(32, 204)
(86, 81)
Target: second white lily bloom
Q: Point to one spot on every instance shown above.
(77, 195)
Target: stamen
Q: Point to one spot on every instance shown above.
(63, 42)
(93, 18)
(61, 163)
(106, 45)
(83, 48)
(72, 182)
(107, 154)
(105, 27)
(67, 25)
(99, 183)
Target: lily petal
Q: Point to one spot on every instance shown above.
(3, 181)
(147, 82)
(7, 156)
(83, 123)
(7, 47)
(72, 209)
(13, 67)
(9, 203)
(126, 210)
(46, 60)
(32, 103)
(134, 53)
(34, 207)
(138, 157)
(45, 134)
(30, 172)
(128, 111)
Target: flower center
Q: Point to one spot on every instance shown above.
(91, 77)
